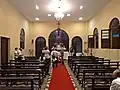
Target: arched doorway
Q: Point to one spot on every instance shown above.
(77, 44)
(40, 43)
(114, 27)
(59, 36)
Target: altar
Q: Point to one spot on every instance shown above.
(61, 48)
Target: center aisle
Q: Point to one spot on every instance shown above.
(60, 79)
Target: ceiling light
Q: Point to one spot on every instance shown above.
(80, 18)
(37, 7)
(49, 15)
(81, 7)
(68, 14)
(37, 19)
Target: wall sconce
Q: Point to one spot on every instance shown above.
(32, 41)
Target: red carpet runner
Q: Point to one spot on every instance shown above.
(60, 79)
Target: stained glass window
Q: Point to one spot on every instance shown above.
(22, 38)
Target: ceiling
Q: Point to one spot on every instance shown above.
(27, 8)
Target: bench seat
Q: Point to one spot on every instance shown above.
(15, 88)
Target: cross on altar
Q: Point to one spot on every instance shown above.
(58, 24)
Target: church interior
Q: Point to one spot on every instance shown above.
(59, 44)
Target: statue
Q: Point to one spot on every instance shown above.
(31, 52)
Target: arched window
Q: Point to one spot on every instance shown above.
(22, 38)
(77, 44)
(95, 36)
(59, 36)
(40, 43)
(114, 33)
(114, 23)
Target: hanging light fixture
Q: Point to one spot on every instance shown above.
(59, 7)
(59, 16)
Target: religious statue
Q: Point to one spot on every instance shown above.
(59, 47)
(31, 52)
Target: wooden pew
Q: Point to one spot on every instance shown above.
(16, 79)
(80, 62)
(26, 68)
(96, 84)
(44, 68)
(71, 58)
(24, 73)
(81, 57)
(94, 73)
(91, 66)
(84, 68)
(108, 64)
(86, 60)
(30, 58)
(44, 65)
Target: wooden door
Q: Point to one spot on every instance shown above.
(4, 50)
(77, 44)
(40, 44)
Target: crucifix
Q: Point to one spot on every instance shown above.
(58, 24)
(58, 34)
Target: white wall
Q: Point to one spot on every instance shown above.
(11, 22)
(101, 21)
